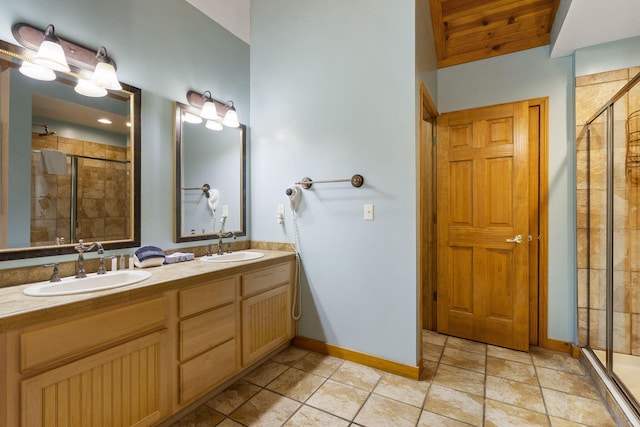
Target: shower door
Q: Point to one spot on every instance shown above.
(625, 307)
(612, 220)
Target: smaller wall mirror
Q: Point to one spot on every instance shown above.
(209, 177)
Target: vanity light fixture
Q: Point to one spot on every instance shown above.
(230, 117)
(209, 108)
(57, 54)
(50, 53)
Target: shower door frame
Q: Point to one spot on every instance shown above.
(608, 107)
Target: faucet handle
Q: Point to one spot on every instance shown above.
(55, 276)
(80, 247)
(101, 268)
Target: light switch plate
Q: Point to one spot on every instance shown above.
(368, 211)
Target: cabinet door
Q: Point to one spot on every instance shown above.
(266, 323)
(117, 387)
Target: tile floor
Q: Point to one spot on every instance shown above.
(464, 383)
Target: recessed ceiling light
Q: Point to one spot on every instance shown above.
(128, 124)
(105, 121)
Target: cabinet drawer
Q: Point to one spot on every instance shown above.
(207, 330)
(206, 296)
(267, 278)
(203, 373)
(62, 340)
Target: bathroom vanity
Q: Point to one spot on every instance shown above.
(139, 354)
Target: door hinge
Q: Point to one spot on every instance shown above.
(434, 140)
(435, 295)
(435, 218)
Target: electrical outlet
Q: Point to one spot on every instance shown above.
(280, 214)
(368, 212)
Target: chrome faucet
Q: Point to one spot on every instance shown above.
(81, 248)
(222, 235)
(55, 276)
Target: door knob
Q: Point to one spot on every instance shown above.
(517, 239)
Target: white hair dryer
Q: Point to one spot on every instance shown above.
(294, 195)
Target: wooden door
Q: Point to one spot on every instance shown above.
(483, 201)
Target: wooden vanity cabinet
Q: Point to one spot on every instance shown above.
(103, 369)
(266, 311)
(227, 325)
(207, 337)
(140, 362)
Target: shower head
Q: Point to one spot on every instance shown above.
(46, 132)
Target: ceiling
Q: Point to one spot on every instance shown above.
(469, 30)
(466, 31)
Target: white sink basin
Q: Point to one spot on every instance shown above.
(232, 257)
(93, 282)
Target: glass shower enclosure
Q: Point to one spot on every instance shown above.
(608, 176)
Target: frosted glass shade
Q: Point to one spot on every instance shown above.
(213, 125)
(88, 88)
(191, 118)
(209, 111)
(36, 71)
(105, 76)
(231, 118)
(51, 55)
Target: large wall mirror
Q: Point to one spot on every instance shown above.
(65, 176)
(210, 178)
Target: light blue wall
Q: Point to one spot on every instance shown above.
(333, 94)
(525, 75)
(164, 47)
(608, 57)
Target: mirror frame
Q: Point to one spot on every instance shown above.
(135, 96)
(178, 237)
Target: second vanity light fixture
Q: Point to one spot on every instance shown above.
(209, 108)
(55, 54)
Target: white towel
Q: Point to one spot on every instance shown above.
(54, 162)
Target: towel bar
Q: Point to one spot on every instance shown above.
(355, 180)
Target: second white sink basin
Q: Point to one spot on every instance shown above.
(233, 257)
(93, 282)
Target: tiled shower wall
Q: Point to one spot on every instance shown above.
(103, 193)
(592, 92)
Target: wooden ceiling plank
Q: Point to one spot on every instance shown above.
(483, 8)
(528, 38)
(492, 19)
(438, 28)
(537, 25)
(523, 20)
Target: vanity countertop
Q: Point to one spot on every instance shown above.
(19, 310)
